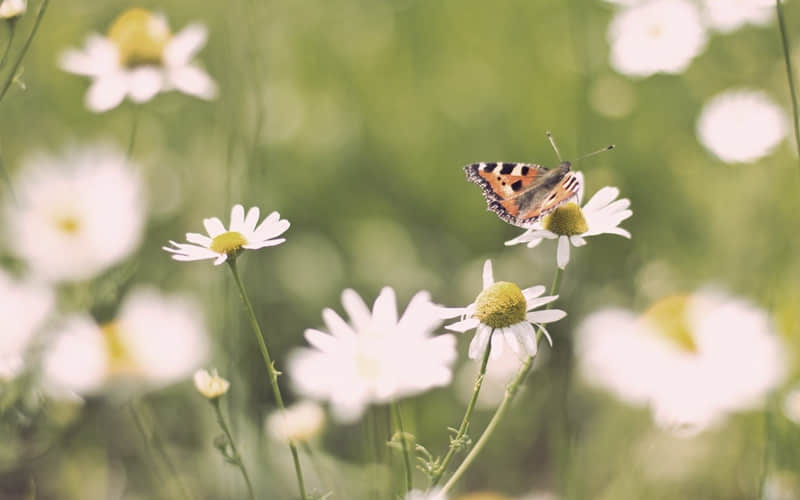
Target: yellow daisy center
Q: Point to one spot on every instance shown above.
(68, 224)
(501, 305)
(228, 243)
(566, 220)
(669, 317)
(140, 37)
(120, 362)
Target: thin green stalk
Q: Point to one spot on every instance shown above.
(457, 442)
(13, 73)
(12, 29)
(406, 456)
(155, 446)
(237, 457)
(273, 373)
(789, 73)
(505, 404)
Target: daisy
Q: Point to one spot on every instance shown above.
(571, 224)
(659, 36)
(376, 358)
(741, 126)
(76, 214)
(299, 422)
(24, 307)
(693, 359)
(140, 57)
(154, 340)
(729, 15)
(504, 313)
(10, 9)
(221, 244)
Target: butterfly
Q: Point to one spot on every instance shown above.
(522, 193)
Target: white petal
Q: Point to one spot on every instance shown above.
(192, 80)
(270, 230)
(510, 337)
(263, 244)
(356, 309)
(107, 92)
(601, 198)
(527, 336)
(562, 254)
(237, 218)
(185, 44)
(497, 345)
(384, 311)
(546, 316)
(522, 238)
(337, 326)
(199, 239)
(577, 241)
(214, 226)
(533, 304)
(535, 242)
(488, 276)
(222, 258)
(463, 325)
(320, 340)
(252, 219)
(450, 312)
(144, 84)
(99, 58)
(533, 292)
(479, 342)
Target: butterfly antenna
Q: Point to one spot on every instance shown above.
(553, 143)
(607, 148)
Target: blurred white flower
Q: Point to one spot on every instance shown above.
(140, 57)
(781, 485)
(504, 313)
(435, 494)
(299, 422)
(656, 36)
(570, 224)
(76, 214)
(24, 307)
(210, 385)
(162, 336)
(12, 8)
(791, 405)
(76, 359)
(741, 125)
(221, 243)
(376, 358)
(729, 15)
(692, 359)
(155, 340)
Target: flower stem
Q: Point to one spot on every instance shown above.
(15, 66)
(456, 442)
(236, 458)
(406, 457)
(155, 446)
(273, 373)
(789, 73)
(12, 29)
(511, 391)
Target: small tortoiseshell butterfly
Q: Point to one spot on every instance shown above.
(522, 193)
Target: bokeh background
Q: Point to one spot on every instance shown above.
(354, 119)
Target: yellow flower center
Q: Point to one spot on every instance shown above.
(228, 243)
(501, 305)
(669, 317)
(140, 37)
(68, 224)
(120, 362)
(566, 220)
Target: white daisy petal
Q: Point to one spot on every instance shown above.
(601, 198)
(488, 277)
(356, 308)
(479, 342)
(192, 80)
(534, 303)
(562, 254)
(107, 92)
(337, 326)
(497, 345)
(384, 311)
(463, 325)
(527, 337)
(577, 241)
(198, 238)
(511, 338)
(237, 218)
(185, 44)
(144, 83)
(214, 226)
(251, 220)
(545, 316)
(533, 292)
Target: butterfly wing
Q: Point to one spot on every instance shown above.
(522, 193)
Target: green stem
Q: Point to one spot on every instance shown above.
(789, 73)
(12, 29)
(406, 456)
(237, 458)
(456, 442)
(155, 446)
(505, 404)
(273, 373)
(21, 56)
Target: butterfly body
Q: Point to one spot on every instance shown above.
(522, 193)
